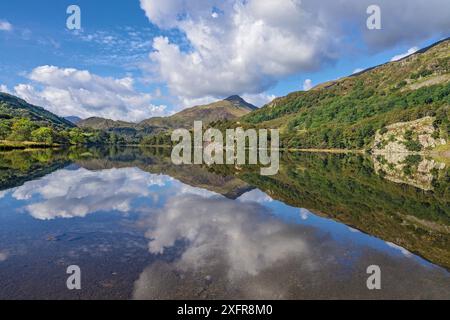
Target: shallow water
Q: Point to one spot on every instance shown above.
(142, 228)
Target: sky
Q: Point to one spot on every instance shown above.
(136, 59)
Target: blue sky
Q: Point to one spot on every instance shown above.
(136, 59)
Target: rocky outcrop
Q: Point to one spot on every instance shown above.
(408, 137)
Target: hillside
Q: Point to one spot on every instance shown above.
(23, 126)
(14, 107)
(228, 109)
(103, 124)
(348, 113)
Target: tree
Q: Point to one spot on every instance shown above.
(148, 140)
(76, 136)
(5, 129)
(21, 130)
(43, 134)
(113, 138)
(62, 137)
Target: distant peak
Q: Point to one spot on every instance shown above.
(234, 98)
(237, 100)
(73, 119)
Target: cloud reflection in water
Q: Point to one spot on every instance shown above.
(241, 250)
(77, 193)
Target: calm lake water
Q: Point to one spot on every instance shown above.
(142, 228)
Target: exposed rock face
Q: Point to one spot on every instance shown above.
(407, 137)
(395, 147)
(415, 170)
(427, 165)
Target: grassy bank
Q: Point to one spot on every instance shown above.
(13, 145)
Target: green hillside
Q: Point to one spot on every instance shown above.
(23, 126)
(347, 113)
(14, 107)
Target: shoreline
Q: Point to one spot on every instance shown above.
(314, 150)
(23, 145)
(13, 145)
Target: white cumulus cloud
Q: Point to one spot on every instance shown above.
(73, 92)
(403, 55)
(245, 47)
(259, 99)
(307, 85)
(4, 88)
(244, 50)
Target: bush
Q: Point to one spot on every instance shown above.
(5, 129)
(21, 130)
(44, 135)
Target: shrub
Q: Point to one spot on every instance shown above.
(21, 130)
(44, 135)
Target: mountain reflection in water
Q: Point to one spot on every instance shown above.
(140, 227)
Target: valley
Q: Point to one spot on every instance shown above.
(398, 107)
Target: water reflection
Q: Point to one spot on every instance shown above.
(78, 192)
(414, 170)
(143, 228)
(243, 251)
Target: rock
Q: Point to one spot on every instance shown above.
(395, 137)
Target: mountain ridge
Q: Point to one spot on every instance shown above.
(227, 109)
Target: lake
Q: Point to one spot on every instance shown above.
(140, 227)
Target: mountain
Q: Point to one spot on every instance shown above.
(14, 107)
(227, 109)
(73, 119)
(103, 124)
(231, 108)
(239, 102)
(349, 112)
